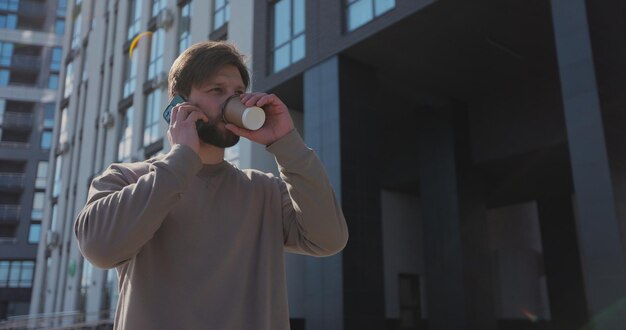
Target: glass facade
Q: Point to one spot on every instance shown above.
(42, 175)
(8, 21)
(75, 43)
(69, 80)
(221, 13)
(16, 273)
(134, 18)
(360, 12)
(34, 233)
(289, 37)
(155, 66)
(157, 6)
(124, 145)
(130, 75)
(184, 22)
(152, 117)
(38, 202)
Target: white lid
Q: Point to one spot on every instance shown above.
(253, 118)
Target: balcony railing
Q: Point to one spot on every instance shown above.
(11, 180)
(17, 120)
(61, 320)
(26, 62)
(9, 213)
(14, 145)
(32, 9)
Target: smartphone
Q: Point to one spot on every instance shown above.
(173, 102)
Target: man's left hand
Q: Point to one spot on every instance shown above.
(278, 122)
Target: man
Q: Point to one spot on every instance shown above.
(198, 243)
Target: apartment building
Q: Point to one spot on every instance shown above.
(31, 34)
(476, 147)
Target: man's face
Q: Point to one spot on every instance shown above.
(209, 97)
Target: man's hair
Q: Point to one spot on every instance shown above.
(198, 63)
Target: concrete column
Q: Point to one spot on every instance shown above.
(324, 277)
(602, 252)
(559, 242)
(477, 255)
(443, 255)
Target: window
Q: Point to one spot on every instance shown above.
(221, 13)
(152, 117)
(183, 27)
(48, 115)
(42, 174)
(4, 77)
(156, 54)
(53, 81)
(9, 5)
(34, 233)
(157, 6)
(8, 21)
(46, 139)
(37, 211)
(360, 12)
(56, 187)
(6, 53)
(289, 37)
(134, 18)
(130, 75)
(59, 27)
(61, 8)
(63, 129)
(76, 32)
(125, 137)
(69, 80)
(55, 59)
(16, 274)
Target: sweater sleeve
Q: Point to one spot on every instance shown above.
(313, 222)
(124, 211)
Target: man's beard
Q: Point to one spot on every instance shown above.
(211, 134)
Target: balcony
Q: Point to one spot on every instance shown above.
(9, 213)
(11, 180)
(30, 63)
(17, 120)
(32, 9)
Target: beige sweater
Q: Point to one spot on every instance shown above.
(201, 246)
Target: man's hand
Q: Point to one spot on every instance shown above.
(278, 122)
(182, 128)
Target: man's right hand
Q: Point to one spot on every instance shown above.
(182, 129)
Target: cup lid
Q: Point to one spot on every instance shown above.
(253, 118)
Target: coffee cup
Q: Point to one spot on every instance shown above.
(235, 112)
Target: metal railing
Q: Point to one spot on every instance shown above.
(73, 320)
(26, 62)
(17, 120)
(9, 212)
(14, 145)
(11, 180)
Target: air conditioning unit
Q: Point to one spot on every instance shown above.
(107, 120)
(165, 19)
(52, 239)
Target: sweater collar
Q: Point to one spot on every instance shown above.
(213, 169)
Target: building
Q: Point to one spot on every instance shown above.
(476, 147)
(30, 60)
